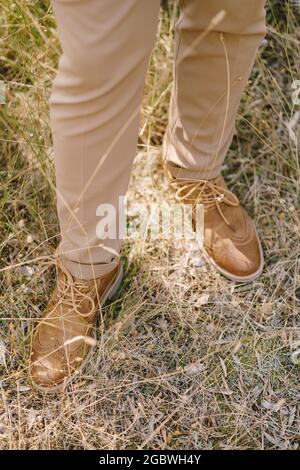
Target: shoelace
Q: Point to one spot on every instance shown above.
(73, 292)
(206, 192)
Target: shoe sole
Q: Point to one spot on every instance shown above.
(109, 294)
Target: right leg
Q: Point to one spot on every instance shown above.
(94, 111)
(95, 116)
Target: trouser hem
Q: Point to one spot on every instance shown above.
(175, 171)
(88, 271)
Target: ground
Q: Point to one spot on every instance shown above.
(185, 358)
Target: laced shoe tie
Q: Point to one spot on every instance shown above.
(206, 192)
(73, 292)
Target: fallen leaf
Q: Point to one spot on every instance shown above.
(202, 299)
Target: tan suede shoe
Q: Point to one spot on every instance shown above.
(64, 338)
(231, 241)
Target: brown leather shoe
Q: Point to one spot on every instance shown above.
(231, 241)
(64, 338)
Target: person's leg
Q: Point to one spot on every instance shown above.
(95, 115)
(216, 44)
(94, 111)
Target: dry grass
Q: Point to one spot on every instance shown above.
(185, 359)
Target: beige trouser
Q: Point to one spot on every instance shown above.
(97, 94)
